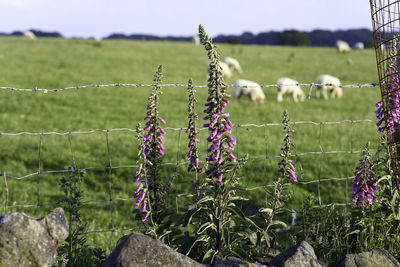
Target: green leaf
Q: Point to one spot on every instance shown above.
(205, 226)
(266, 210)
(278, 223)
(190, 214)
(209, 256)
(236, 210)
(251, 236)
(225, 236)
(240, 253)
(205, 199)
(189, 243)
(353, 232)
(386, 177)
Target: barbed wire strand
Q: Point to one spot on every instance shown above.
(180, 128)
(53, 90)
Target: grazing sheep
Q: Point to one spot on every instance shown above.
(342, 46)
(196, 40)
(381, 48)
(359, 46)
(328, 84)
(30, 35)
(233, 64)
(291, 87)
(226, 71)
(252, 89)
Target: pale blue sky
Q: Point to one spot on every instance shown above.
(99, 18)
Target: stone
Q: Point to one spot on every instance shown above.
(25, 241)
(230, 262)
(139, 250)
(300, 255)
(57, 225)
(373, 258)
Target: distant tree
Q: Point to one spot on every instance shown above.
(233, 40)
(369, 43)
(293, 38)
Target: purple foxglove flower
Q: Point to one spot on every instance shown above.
(378, 104)
(145, 217)
(233, 141)
(136, 176)
(227, 128)
(214, 121)
(137, 190)
(140, 199)
(379, 123)
(292, 176)
(161, 147)
(216, 157)
(162, 131)
(219, 179)
(229, 122)
(232, 157)
(162, 120)
(143, 206)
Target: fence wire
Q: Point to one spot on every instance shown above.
(53, 90)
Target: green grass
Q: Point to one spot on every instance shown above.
(53, 63)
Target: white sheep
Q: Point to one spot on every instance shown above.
(30, 35)
(226, 71)
(342, 46)
(328, 83)
(249, 88)
(196, 40)
(358, 45)
(291, 87)
(233, 64)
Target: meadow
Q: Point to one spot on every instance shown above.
(55, 63)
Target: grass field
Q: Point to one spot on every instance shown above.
(53, 63)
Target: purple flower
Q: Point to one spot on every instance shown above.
(145, 217)
(140, 199)
(143, 206)
(364, 186)
(136, 193)
(292, 173)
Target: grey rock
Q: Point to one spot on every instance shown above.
(301, 255)
(25, 241)
(373, 258)
(56, 224)
(140, 250)
(230, 262)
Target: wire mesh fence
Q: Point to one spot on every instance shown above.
(109, 162)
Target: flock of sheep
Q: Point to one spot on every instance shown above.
(328, 85)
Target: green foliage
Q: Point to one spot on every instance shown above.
(294, 38)
(75, 251)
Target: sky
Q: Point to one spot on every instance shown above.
(99, 18)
